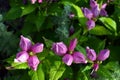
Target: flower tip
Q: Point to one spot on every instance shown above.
(103, 55)
(73, 44)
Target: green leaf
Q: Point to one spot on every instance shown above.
(27, 9)
(109, 23)
(100, 30)
(78, 12)
(87, 68)
(39, 20)
(57, 70)
(13, 13)
(1, 17)
(81, 49)
(19, 65)
(37, 75)
(48, 42)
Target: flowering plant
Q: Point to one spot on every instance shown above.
(59, 40)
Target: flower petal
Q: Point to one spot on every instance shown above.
(91, 54)
(103, 12)
(33, 1)
(96, 11)
(67, 59)
(39, 1)
(96, 67)
(103, 55)
(72, 45)
(90, 24)
(21, 57)
(37, 48)
(25, 43)
(79, 58)
(33, 62)
(59, 48)
(87, 13)
(93, 3)
(104, 6)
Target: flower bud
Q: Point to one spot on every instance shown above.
(67, 59)
(90, 24)
(96, 11)
(79, 57)
(33, 62)
(93, 3)
(103, 55)
(59, 48)
(91, 54)
(87, 13)
(103, 12)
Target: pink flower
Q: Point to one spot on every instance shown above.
(28, 52)
(33, 62)
(93, 3)
(90, 24)
(72, 45)
(59, 48)
(69, 56)
(33, 1)
(91, 55)
(87, 13)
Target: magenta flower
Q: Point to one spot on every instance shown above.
(103, 12)
(87, 13)
(33, 1)
(93, 3)
(59, 48)
(90, 24)
(33, 62)
(91, 55)
(96, 11)
(28, 53)
(69, 55)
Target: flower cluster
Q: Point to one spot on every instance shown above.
(68, 54)
(96, 59)
(92, 13)
(28, 53)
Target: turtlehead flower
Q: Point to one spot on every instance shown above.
(87, 13)
(91, 55)
(28, 52)
(103, 12)
(93, 3)
(59, 48)
(68, 54)
(94, 12)
(90, 24)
